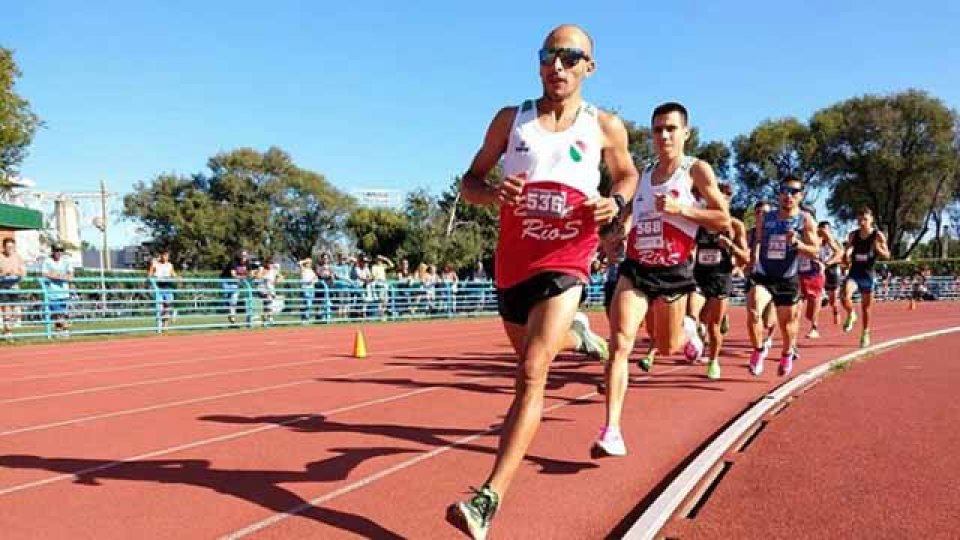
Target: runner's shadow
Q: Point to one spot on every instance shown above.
(429, 436)
(260, 487)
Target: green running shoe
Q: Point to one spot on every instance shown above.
(865, 339)
(713, 369)
(477, 513)
(590, 343)
(849, 322)
(646, 363)
(724, 325)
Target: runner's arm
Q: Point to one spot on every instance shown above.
(837, 250)
(474, 185)
(881, 243)
(738, 246)
(715, 216)
(808, 243)
(617, 158)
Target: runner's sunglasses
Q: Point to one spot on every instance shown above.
(787, 190)
(569, 56)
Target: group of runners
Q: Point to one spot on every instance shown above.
(680, 248)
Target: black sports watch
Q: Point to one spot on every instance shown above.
(618, 198)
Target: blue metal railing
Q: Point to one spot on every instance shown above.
(123, 305)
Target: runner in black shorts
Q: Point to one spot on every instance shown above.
(782, 236)
(717, 254)
(828, 242)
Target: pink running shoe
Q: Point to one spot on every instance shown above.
(786, 363)
(693, 350)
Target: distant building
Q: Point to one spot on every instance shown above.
(125, 258)
(379, 198)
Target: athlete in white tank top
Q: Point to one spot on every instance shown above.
(660, 241)
(549, 212)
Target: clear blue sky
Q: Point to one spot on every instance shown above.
(398, 94)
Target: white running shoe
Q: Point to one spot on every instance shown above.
(590, 343)
(610, 442)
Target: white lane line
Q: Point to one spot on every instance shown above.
(172, 404)
(200, 376)
(132, 348)
(656, 516)
(372, 478)
(227, 437)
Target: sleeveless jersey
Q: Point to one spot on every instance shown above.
(162, 270)
(657, 239)
(777, 257)
(864, 254)
(551, 229)
(712, 258)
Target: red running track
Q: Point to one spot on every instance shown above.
(869, 453)
(280, 434)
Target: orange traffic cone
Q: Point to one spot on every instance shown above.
(359, 346)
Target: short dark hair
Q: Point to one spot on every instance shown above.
(792, 178)
(823, 224)
(8, 241)
(865, 211)
(725, 188)
(669, 107)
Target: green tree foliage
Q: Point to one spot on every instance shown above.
(250, 200)
(379, 231)
(897, 154)
(774, 149)
(18, 123)
(640, 144)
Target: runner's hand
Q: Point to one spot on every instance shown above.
(510, 190)
(604, 209)
(791, 238)
(667, 205)
(724, 242)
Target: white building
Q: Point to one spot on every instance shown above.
(379, 198)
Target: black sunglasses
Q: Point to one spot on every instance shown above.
(569, 56)
(787, 190)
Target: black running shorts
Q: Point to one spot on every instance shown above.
(669, 282)
(714, 284)
(515, 303)
(785, 291)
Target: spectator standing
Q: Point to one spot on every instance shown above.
(12, 270)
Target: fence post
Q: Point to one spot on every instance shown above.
(157, 303)
(392, 299)
(325, 316)
(449, 292)
(45, 298)
(248, 301)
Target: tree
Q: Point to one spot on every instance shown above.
(378, 231)
(896, 154)
(773, 150)
(18, 123)
(640, 145)
(261, 202)
(309, 213)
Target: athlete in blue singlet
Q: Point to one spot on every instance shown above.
(782, 236)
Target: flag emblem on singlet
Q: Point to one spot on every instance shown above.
(577, 150)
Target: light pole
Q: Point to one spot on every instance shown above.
(101, 224)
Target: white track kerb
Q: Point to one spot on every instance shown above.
(665, 506)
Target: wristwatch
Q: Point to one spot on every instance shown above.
(618, 198)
